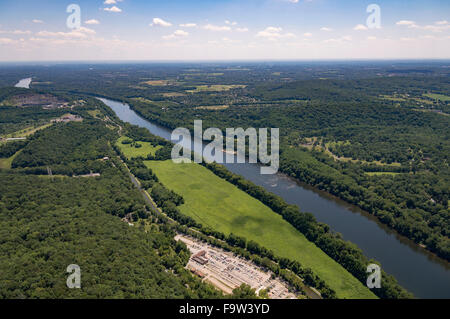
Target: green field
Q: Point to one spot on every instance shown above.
(131, 151)
(214, 202)
(28, 131)
(440, 97)
(215, 88)
(5, 163)
(381, 173)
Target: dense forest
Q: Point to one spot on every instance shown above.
(50, 222)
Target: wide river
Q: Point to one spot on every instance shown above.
(425, 275)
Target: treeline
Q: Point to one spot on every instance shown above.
(343, 252)
(10, 148)
(398, 202)
(46, 225)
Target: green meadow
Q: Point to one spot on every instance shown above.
(131, 151)
(217, 203)
(5, 163)
(440, 97)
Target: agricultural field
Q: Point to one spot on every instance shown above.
(214, 202)
(28, 131)
(5, 163)
(131, 151)
(381, 173)
(440, 97)
(215, 88)
(213, 107)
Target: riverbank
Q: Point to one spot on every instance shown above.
(397, 257)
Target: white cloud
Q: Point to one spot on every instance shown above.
(230, 23)
(160, 22)
(407, 23)
(326, 29)
(16, 32)
(241, 29)
(79, 33)
(188, 25)
(212, 27)
(371, 38)
(437, 27)
(307, 34)
(176, 34)
(113, 9)
(37, 21)
(92, 21)
(112, 1)
(360, 27)
(273, 33)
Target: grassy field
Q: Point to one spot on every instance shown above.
(214, 202)
(215, 88)
(381, 173)
(213, 107)
(440, 97)
(5, 163)
(132, 152)
(28, 131)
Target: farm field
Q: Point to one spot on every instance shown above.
(439, 97)
(214, 202)
(130, 151)
(215, 88)
(28, 131)
(381, 173)
(5, 163)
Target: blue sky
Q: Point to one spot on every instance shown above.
(223, 29)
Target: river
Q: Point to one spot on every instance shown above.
(419, 271)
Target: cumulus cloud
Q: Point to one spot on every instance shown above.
(188, 25)
(230, 23)
(15, 32)
(273, 33)
(176, 34)
(113, 9)
(212, 27)
(438, 26)
(80, 33)
(407, 23)
(307, 34)
(92, 21)
(360, 27)
(241, 29)
(37, 21)
(160, 22)
(326, 29)
(111, 1)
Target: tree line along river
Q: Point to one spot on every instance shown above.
(419, 271)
